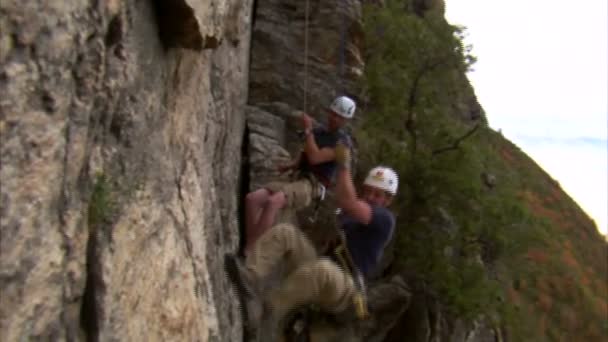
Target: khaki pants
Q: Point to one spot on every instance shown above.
(299, 193)
(309, 280)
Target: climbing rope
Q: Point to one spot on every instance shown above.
(306, 58)
(341, 76)
(342, 53)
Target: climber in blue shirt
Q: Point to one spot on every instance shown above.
(366, 242)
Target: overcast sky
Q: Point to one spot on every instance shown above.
(542, 79)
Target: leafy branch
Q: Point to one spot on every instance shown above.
(456, 143)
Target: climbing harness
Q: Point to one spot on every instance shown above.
(319, 191)
(318, 199)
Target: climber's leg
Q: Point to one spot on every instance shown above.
(255, 202)
(319, 282)
(271, 199)
(299, 194)
(282, 243)
(275, 202)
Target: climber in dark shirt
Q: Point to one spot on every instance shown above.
(316, 161)
(366, 242)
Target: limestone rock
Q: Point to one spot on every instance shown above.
(266, 151)
(200, 25)
(119, 186)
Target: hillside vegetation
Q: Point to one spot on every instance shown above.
(480, 224)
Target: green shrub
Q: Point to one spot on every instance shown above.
(101, 204)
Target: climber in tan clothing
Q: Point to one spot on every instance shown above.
(316, 163)
(367, 225)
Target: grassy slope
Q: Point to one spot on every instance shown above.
(560, 282)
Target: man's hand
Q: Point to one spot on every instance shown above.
(343, 157)
(306, 121)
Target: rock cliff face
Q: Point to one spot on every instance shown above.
(121, 124)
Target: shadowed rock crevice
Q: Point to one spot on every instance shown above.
(89, 313)
(178, 26)
(115, 31)
(244, 184)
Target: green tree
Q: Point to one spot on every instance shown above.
(451, 228)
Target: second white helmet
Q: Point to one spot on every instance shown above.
(384, 178)
(344, 106)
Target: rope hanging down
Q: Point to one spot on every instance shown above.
(341, 75)
(342, 53)
(306, 58)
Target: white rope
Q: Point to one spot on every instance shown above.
(306, 59)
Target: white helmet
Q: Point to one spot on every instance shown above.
(383, 178)
(343, 106)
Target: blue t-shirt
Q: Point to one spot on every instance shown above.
(366, 243)
(325, 172)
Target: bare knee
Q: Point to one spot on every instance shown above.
(277, 200)
(259, 196)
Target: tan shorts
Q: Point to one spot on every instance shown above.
(299, 194)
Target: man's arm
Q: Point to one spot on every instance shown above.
(346, 194)
(315, 154)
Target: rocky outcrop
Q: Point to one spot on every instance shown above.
(121, 125)
(425, 320)
(388, 299)
(280, 70)
(422, 7)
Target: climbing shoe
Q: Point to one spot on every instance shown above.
(268, 330)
